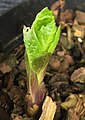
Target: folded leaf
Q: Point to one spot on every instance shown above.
(40, 40)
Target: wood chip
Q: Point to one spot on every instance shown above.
(48, 109)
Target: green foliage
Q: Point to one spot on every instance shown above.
(40, 40)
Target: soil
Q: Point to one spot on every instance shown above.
(64, 79)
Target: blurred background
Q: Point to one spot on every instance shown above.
(6, 5)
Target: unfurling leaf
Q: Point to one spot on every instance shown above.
(40, 41)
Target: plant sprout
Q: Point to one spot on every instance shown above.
(40, 41)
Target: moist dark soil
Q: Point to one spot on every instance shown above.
(65, 74)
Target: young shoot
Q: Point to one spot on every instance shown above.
(40, 41)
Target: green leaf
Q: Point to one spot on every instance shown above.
(40, 40)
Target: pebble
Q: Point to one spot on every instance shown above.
(60, 53)
(54, 64)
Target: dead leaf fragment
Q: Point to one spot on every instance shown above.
(80, 16)
(78, 75)
(75, 104)
(79, 31)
